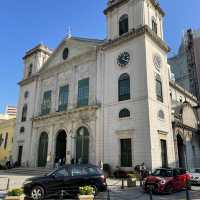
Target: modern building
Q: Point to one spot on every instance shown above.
(109, 100)
(7, 131)
(186, 64)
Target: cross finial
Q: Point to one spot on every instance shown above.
(69, 32)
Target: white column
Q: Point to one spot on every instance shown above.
(50, 157)
(34, 148)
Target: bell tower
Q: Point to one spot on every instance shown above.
(126, 15)
(34, 59)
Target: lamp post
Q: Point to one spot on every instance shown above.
(72, 138)
(82, 143)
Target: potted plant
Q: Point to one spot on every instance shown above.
(131, 180)
(86, 193)
(15, 194)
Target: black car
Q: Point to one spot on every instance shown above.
(67, 180)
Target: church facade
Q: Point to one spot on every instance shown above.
(92, 101)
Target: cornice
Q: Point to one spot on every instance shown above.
(183, 126)
(89, 56)
(134, 33)
(28, 80)
(67, 113)
(112, 6)
(39, 48)
(182, 90)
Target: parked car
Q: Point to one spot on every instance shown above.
(195, 176)
(68, 179)
(167, 180)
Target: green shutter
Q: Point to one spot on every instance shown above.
(46, 105)
(83, 92)
(63, 98)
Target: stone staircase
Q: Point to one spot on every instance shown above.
(28, 171)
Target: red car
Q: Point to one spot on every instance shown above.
(167, 180)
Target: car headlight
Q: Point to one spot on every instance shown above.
(163, 181)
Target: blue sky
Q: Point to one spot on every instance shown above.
(24, 24)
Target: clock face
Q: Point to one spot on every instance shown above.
(123, 59)
(157, 61)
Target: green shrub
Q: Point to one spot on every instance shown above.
(15, 192)
(86, 190)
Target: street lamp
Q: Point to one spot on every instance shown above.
(82, 142)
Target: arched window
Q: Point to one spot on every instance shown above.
(159, 92)
(123, 24)
(161, 114)
(154, 25)
(24, 112)
(22, 129)
(124, 113)
(30, 70)
(124, 87)
(26, 94)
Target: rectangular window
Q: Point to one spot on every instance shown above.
(46, 105)
(164, 158)
(126, 153)
(159, 93)
(83, 92)
(6, 141)
(63, 98)
(1, 139)
(154, 26)
(30, 70)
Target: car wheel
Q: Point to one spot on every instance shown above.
(169, 189)
(37, 193)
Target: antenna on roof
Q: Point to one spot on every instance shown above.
(69, 32)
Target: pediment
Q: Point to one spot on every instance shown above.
(76, 47)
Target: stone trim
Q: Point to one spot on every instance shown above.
(112, 6)
(134, 33)
(38, 48)
(72, 111)
(162, 132)
(182, 90)
(183, 126)
(28, 80)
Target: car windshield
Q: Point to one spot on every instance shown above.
(195, 171)
(163, 173)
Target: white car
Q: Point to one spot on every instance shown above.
(195, 176)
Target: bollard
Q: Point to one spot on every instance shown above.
(8, 184)
(108, 197)
(150, 194)
(61, 194)
(122, 184)
(188, 197)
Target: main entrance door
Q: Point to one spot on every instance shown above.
(181, 151)
(61, 142)
(42, 150)
(19, 159)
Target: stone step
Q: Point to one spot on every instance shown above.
(28, 171)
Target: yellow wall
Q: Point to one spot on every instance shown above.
(6, 126)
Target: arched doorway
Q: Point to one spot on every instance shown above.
(181, 151)
(82, 145)
(61, 143)
(42, 150)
